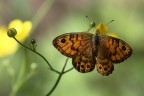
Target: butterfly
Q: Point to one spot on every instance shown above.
(89, 50)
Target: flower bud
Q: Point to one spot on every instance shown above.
(33, 41)
(92, 24)
(11, 32)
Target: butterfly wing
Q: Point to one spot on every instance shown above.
(70, 44)
(78, 46)
(85, 61)
(111, 50)
(117, 49)
(104, 65)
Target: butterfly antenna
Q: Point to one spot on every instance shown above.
(109, 22)
(91, 25)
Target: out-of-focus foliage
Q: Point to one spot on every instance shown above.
(26, 74)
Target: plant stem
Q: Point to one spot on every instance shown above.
(19, 80)
(55, 85)
(41, 13)
(51, 68)
(68, 70)
(58, 79)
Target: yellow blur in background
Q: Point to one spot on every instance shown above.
(23, 73)
(7, 45)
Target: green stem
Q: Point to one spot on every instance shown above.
(51, 68)
(19, 80)
(58, 79)
(68, 70)
(41, 13)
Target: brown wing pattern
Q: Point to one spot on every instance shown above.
(118, 50)
(80, 47)
(71, 43)
(104, 66)
(84, 61)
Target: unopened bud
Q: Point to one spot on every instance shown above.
(11, 32)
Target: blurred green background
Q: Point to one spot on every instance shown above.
(51, 18)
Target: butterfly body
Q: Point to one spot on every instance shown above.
(89, 50)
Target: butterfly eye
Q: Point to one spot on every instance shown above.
(123, 48)
(63, 40)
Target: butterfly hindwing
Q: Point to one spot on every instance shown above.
(104, 66)
(84, 63)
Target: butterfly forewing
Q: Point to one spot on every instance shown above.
(70, 44)
(117, 49)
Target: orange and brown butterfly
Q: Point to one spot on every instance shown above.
(89, 50)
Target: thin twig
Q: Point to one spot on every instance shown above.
(64, 66)
(51, 68)
(58, 79)
(68, 70)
